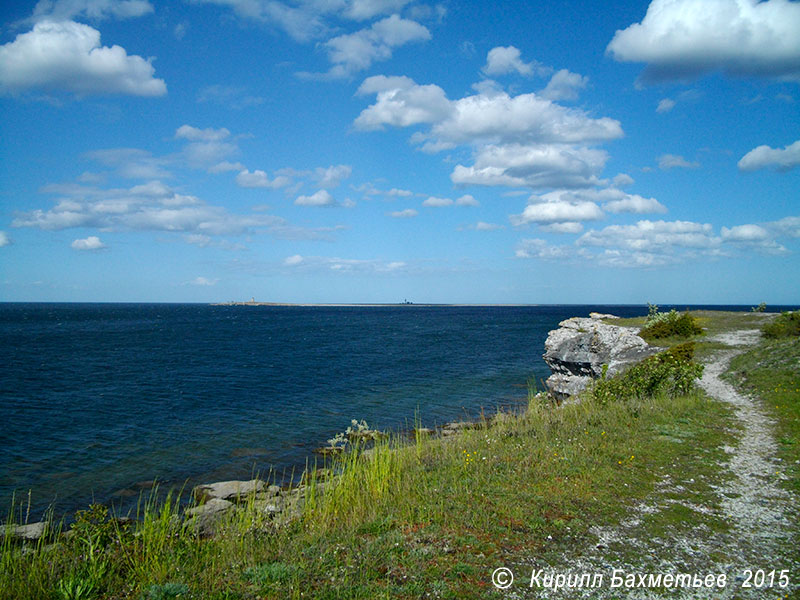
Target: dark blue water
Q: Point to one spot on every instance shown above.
(97, 398)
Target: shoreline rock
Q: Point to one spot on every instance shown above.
(228, 490)
(583, 349)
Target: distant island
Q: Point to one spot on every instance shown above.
(253, 302)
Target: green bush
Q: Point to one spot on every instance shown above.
(671, 324)
(683, 352)
(787, 324)
(672, 373)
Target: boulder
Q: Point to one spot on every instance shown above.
(457, 427)
(580, 349)
(228, 490)
(270, 492)
(205, 518)
(270, 506)
(25, 533)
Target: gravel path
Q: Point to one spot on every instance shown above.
(760, 535)
(758, 507)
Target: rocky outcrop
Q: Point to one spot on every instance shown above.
(205, 518)
(228, 490)
(582, 348)
(217, 502)
(31, 532)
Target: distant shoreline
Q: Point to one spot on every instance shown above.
(358, 305)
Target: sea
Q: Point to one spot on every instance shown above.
(99, 401)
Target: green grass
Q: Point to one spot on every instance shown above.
(435, 517)
(712, 323)
(786, 325)
(438, 515)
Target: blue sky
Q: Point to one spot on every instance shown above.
(382, 150)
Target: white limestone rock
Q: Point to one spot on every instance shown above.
(228, 490)
(577, 352)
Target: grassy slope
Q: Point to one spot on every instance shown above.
(436, 518)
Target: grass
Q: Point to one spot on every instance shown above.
(712, 323)
(432, 518)
(786, 325)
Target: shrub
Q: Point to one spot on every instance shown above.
(671, 324)
(672, 373)
(683, 352)
(787, 324)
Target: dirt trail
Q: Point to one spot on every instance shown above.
(757, 506)
(747, 496)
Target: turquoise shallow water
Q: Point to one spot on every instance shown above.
(96, 399)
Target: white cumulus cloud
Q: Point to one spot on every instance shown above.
(755, 237)
(763, 157)
(204, 281)
(434, 201)
(65, 10)
(367, 9)
(195, 134)
(259, 179)
(484, 226)
(68, 56)
(355, 52)
(681, 39)
(400, 103)
(665, 105)
(404, 214)
(507, 59)
(152, 207)
(564, 85)
(557, 207)
(674, 161)
(90, 243)
(526, 118)
(653, 235)
(523, 140)
(467, 200)
(537, 248)
(305, 20)
(4, 239)
(491, 118)
(332, 176)
(319, 198)
(745, 233)
(533, 165)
